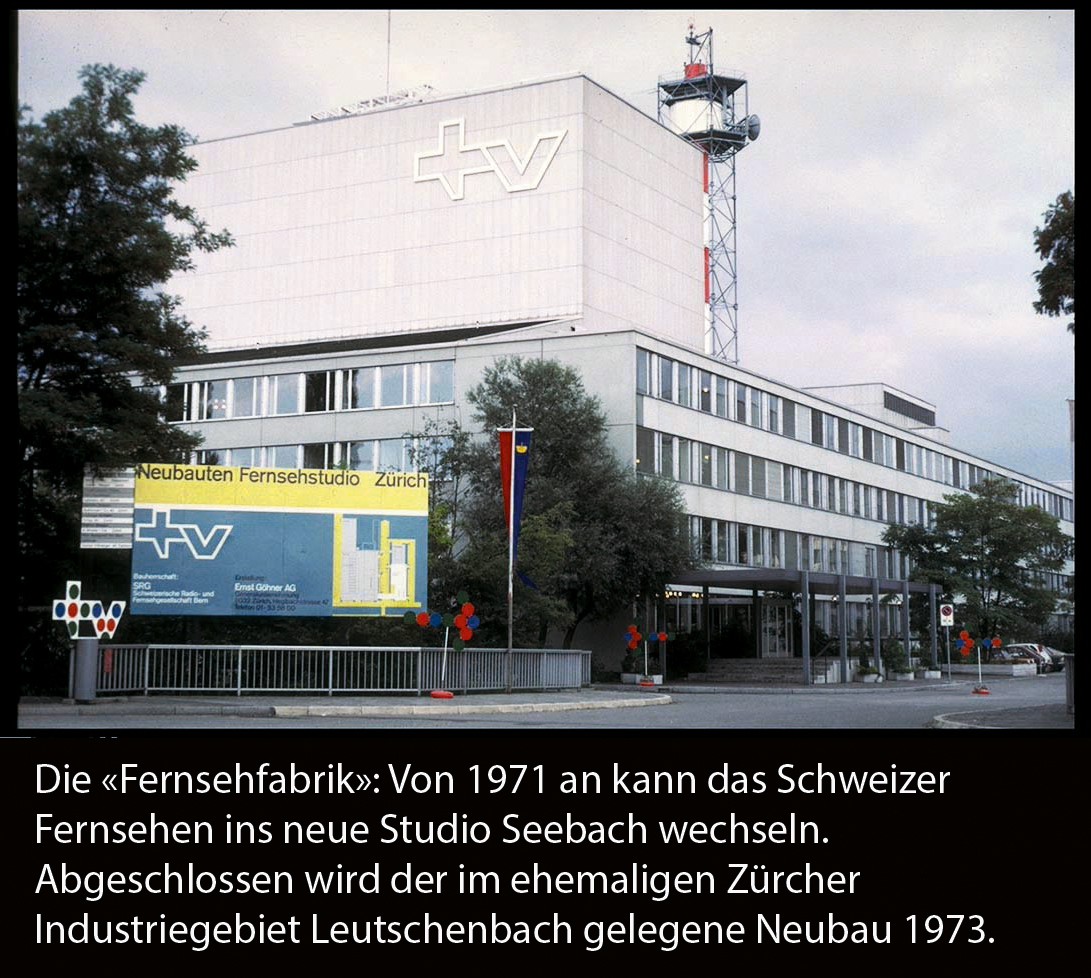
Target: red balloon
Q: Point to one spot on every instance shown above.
(423, 618)
(466, 634)
(467, 609)
(996, 642)
(662, 636)
(964, 634)
(631, 629)
(460, 621)
(633, 644)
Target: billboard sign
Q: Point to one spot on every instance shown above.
(242, 541)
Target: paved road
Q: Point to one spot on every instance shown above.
(1027, 703)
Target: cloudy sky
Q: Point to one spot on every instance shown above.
(885, 216)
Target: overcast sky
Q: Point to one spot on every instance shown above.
(885, 215)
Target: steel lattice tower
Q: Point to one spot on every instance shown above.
(712, 110)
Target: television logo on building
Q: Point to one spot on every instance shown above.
(454, 159)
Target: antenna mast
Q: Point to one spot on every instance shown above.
(712, 111)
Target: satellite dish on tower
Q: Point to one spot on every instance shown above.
(753, 126)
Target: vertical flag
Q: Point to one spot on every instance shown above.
(513, 476)
(514, 457)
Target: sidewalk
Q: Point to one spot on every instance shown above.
(598, 697)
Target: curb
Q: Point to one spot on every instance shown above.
(448, 709)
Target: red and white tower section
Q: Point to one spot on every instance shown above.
(712, 111)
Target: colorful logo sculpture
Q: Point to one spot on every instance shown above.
(72, 609)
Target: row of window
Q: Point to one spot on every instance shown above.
(358, 388)
(671, 380)
(368, 455)
(720, 468)
(718, 541)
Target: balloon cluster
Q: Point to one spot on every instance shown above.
(965, 644)
(464, 621)
(633, 638)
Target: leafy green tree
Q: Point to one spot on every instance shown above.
(595, 536)
(100, 232)
(1055, 243)
(991, 555)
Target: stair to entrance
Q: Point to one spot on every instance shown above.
(755, 672)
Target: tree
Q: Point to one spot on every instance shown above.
(990, 554)
(1055, 243)
(595, 538)
(99, 234)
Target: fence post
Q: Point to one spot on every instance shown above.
(238, 672)
(329, 674)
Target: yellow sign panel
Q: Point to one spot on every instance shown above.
(242, 487)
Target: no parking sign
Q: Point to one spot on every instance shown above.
(946, 615)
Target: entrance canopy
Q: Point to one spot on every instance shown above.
(812, 583)
(773, 579)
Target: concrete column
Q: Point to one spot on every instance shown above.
(842, 600)
(805, 591)
(905, 618)
(876, 641)
(86, 670)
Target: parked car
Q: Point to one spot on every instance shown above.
(1032, 652)
(1058, 658)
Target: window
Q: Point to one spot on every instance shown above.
(774, 480)
(705, 400)
(722, 476)
(392, 453)
(774, 413)
(742, 473)
(437, 382)
(318, 456)
(685, 385)
(359, 388)
(176, 403)
(246, 456)
(755, 407)
(666, 456)
(284, 394)
(706, 464)
(282, 457)
(740, 403)
(392, 385)
(643, 372)
(245, 397)
(757, 477)
(789, 412)
(211, 399)
(360, 455)
(829, 433)
(685, 460)
(318, 392)
(666, 379)
(721, 396)
(645, 450)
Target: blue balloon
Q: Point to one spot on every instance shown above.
(435, 619)
(473, 621)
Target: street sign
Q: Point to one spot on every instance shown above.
(946, 615)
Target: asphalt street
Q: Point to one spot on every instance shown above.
(1026, 703)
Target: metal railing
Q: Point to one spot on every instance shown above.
(239, 669)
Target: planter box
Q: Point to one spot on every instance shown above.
(630, 678)
(870, 677)
(656, 679)
(928, 674)
(1015, 669)
(901, 677)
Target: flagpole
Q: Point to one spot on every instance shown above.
(511, 552)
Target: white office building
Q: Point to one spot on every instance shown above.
(382, 259)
